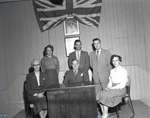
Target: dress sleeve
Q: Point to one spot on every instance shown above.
(110, 81)
(57, 65)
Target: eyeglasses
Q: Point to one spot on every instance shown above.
(36, 64)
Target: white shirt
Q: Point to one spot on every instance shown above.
(78, 55)
(118, 76)
(37, 74)
(98, 52)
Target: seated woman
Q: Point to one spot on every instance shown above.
(112, 95)
(75, 77)
(34, 86)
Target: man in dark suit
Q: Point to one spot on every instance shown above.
(75, 76)
(81, 56)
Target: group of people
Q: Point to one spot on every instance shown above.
(43, 74)
(108, 75)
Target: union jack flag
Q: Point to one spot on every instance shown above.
(51, 15)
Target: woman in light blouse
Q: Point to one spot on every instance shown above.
(112, 95)
(50, 66)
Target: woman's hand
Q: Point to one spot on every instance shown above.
(39, 95)
(108, 88)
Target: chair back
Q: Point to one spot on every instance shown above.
(127, 98)
(128, 86)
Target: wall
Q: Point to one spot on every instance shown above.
(21, 41)
(146, 15)
(124, 29)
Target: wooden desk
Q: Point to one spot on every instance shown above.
(72, 102)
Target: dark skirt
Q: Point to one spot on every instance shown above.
(39, 104)
(52, 78)
(111, 97)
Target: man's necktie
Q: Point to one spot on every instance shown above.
(78, 56)
(97, 54)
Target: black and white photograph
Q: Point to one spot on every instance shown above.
(74, 58)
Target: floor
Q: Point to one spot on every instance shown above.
(141, 111)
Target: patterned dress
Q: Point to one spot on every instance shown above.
(116, 87)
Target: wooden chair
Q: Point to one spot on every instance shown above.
(126, 100)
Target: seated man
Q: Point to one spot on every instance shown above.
(75, 76)
(35, 82)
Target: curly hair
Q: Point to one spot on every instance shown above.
(45, 49)
(113, 56)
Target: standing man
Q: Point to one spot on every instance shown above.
(81, 56)
(100, 64)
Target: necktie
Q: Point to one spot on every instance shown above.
(97, 54)
(78, 55)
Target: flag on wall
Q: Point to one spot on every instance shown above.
(51, 15)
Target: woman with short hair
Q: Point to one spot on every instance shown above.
(112, 95)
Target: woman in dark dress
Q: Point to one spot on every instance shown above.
(50, 66)
(35, 83)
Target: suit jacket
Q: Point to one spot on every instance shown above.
(84, 60)
(72, 79)
(101, 67)
(32, 84)
(31, 88)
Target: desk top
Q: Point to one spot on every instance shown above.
(67, 88)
